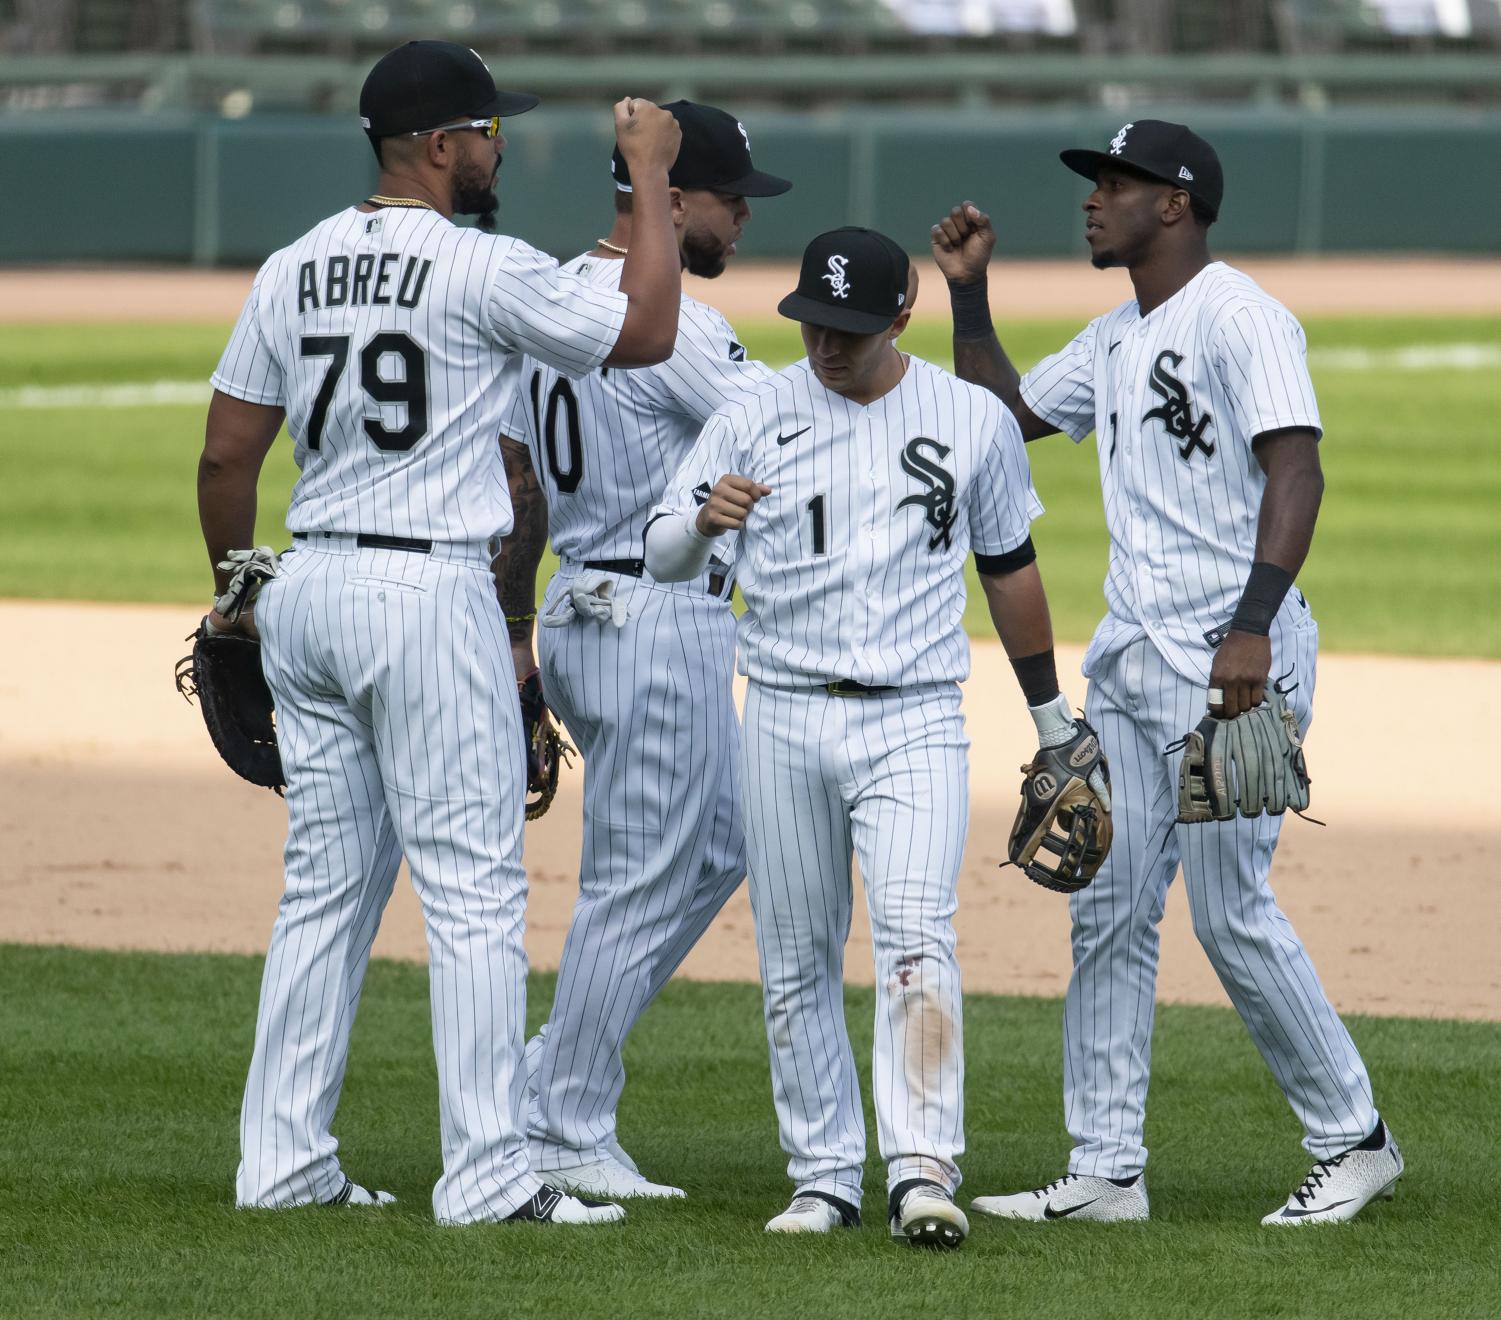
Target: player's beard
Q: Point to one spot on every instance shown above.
(474, 194)
(703, 254)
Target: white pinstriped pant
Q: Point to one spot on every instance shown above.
(1139, 704)
(400, 734)
(887, 777)
(651, 707)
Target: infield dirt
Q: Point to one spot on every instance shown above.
(120, 828)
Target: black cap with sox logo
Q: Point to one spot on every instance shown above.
(851, 279)
(1173, 153)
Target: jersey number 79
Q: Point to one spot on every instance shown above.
(410, 389)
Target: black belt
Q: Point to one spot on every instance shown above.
(371, 541)
(637, 568)
(847, 687)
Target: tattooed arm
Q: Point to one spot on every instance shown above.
(515, 567)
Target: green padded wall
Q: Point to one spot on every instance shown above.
(178, 188)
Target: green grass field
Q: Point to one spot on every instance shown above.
(98, 502)
(122, 1076)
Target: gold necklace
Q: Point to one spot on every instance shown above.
(610, 247)
(411, 202)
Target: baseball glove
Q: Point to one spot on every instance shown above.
(1064, 812)
(545, 748)
(224, 672)
(1253, 763)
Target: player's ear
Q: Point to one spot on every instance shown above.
(679, 207)
(899, 325)
(1175, 207)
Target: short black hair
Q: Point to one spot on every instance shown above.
(1202, 212)
(622, 202)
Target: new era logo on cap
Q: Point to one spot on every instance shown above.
(1172, 153)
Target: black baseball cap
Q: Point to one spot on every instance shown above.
(425, 84)
(851, 279)
(1172, 153)
(714, 153)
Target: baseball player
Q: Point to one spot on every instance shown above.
(640, 671)
(855, 482)
(382, 336)
(1208, 433)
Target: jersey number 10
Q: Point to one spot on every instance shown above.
(561, 402)
(410, 390)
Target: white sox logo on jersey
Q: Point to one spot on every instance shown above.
(835, 277)
(937, 500)
(1176, 409)
(1118, 142)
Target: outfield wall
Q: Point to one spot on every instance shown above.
(177, 187)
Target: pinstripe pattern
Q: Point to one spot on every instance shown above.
(649, 705)
(1182, 531)
(1183, 519)
(393, 688)
(391, 672)
(879, 603)
(873, 590)
(885, 778)
(485, 300)
(634, 426)
(1139, 703)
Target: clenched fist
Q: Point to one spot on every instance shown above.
(962, 243)
(729, 505)
(648, 135)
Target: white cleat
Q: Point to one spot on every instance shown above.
(353, 1194)
(1339, 1189)
(924, 1214)
(1073, 1196)
(815, 1212)
(607, 1178)
(550, 1206)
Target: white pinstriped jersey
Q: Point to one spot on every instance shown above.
(386, 336)
(1175, 399)
(605, 446)
(852, 568)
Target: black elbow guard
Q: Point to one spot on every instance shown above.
(1000, 565)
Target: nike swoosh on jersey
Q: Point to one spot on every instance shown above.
(1049, 1213)
(1300, 1214)
(788, 439)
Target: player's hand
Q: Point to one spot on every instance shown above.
(244, 625)
(648, 135)
(1239, 674)
(729, 505)
(962, 243)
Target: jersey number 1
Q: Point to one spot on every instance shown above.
(410, 389)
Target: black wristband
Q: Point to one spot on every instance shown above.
(1262, 598)
(1010, 562)
(970, 304)
(1038, 675)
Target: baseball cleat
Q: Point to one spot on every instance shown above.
(1339, 1189)
(1073, 1196)
(924, 1214)
(815, 1212)
(608, 1177)
(353, 1194)
(550, 1206)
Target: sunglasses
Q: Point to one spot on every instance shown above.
(489, 127)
